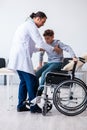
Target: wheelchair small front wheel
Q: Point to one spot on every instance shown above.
(44, 109)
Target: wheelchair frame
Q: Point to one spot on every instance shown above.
(73, 103)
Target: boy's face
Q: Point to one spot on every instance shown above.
(49, 39)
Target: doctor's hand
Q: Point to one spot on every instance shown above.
(41, 49)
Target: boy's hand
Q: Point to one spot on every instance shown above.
(39, 66)
(57, 49)
(75, 59)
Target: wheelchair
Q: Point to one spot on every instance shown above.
(69, 93)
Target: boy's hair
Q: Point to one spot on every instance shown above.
(48, 32)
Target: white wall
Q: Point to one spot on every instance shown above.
(68, 18)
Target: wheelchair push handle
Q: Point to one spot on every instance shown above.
(81, 59)
(75, 63)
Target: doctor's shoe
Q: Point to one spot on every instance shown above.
(35, 109)
(22, 109)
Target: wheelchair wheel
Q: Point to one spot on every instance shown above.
(79, 80)
(70, 97)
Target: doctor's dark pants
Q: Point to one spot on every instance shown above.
(28, 85)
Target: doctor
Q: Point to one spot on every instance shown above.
(25, 40)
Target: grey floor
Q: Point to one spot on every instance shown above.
(10, 119)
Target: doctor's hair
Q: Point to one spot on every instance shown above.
(48, 32)
(38, 14)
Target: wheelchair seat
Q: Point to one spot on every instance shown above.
(57, 77)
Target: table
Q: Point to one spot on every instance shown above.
(9, 77)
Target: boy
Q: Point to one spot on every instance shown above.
(55, 59)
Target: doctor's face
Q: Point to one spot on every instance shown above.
(39, 21)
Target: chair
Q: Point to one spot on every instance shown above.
(3, 64)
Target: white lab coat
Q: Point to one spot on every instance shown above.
(24, 41)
